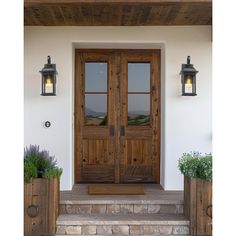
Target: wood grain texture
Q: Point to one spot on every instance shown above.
(44, 194)
(94, 147)
(101, 157)
(117, 13)
(140, 155)
(197, 197)
(204, 222)
(28, 2)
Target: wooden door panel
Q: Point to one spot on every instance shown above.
(97, 173)
(137, 164)
(137, 174)
(138, 152)
(98, 151)
(126, 148)
(140, 155)
(94, 143)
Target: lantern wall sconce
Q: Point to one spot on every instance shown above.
(188, 79)
(49, 78)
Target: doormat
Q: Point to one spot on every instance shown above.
(115, 189)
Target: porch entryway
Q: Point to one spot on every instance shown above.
(158, 212)
(117, 116)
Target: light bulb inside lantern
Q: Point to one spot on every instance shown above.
(48, 85)
(188, 85)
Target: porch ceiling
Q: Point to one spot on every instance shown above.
(117, 12)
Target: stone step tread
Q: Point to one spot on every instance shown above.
(82, 201)
(154, 194)
(126, 235)
(128, 219)
(71, 198)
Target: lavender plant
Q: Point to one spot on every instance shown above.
(196, 165)
(37, 163)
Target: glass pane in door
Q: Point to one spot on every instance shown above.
(138, 109)
(138, 77)
(139, 93)
(96, 77)
(95, 109)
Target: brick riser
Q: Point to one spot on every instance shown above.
(121, 208)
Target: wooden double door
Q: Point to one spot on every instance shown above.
(117, 116)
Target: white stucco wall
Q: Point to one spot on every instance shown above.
(186, 121)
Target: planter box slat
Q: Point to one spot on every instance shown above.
(43, 193)
(197, 197)
(203, 200)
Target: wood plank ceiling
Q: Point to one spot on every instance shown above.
(117, 12)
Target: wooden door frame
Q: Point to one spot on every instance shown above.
(157, 70)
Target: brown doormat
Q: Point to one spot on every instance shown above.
(115, 189)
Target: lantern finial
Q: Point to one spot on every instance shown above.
(188, 60)
(49, 60)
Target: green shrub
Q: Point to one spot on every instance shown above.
(52, 173)
(30, 172)
(205, 168)
(195, 165)
(39, 164)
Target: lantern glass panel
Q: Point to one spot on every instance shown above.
(188, 83)
(48, 83)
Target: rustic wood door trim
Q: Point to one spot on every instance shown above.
(116, 104)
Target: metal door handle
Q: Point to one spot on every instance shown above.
(112, 130)
(122, 130)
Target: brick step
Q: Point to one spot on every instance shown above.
(128, 224)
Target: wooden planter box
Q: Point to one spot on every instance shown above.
(41, 204)
(197, 202)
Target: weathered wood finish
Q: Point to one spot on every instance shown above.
(117, 13)
(134, 157)
(45, 194)
(197, 197)
(94, 147)
(140, 154)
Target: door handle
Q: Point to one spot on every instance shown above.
(122, 130)
(111, 130)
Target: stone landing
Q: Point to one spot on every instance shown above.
(158, 212)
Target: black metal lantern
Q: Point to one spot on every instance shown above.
(188, 79)
(49, 78)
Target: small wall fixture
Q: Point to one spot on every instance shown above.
(49, 78)
(188, 79)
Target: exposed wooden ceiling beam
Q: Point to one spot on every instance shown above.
(117, 12)
(102, 2)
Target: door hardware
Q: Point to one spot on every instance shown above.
(112, 130)
(122, 130)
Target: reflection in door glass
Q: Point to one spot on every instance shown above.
(95, 109)
(138, 109)
(95, 77)
(138, 77)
